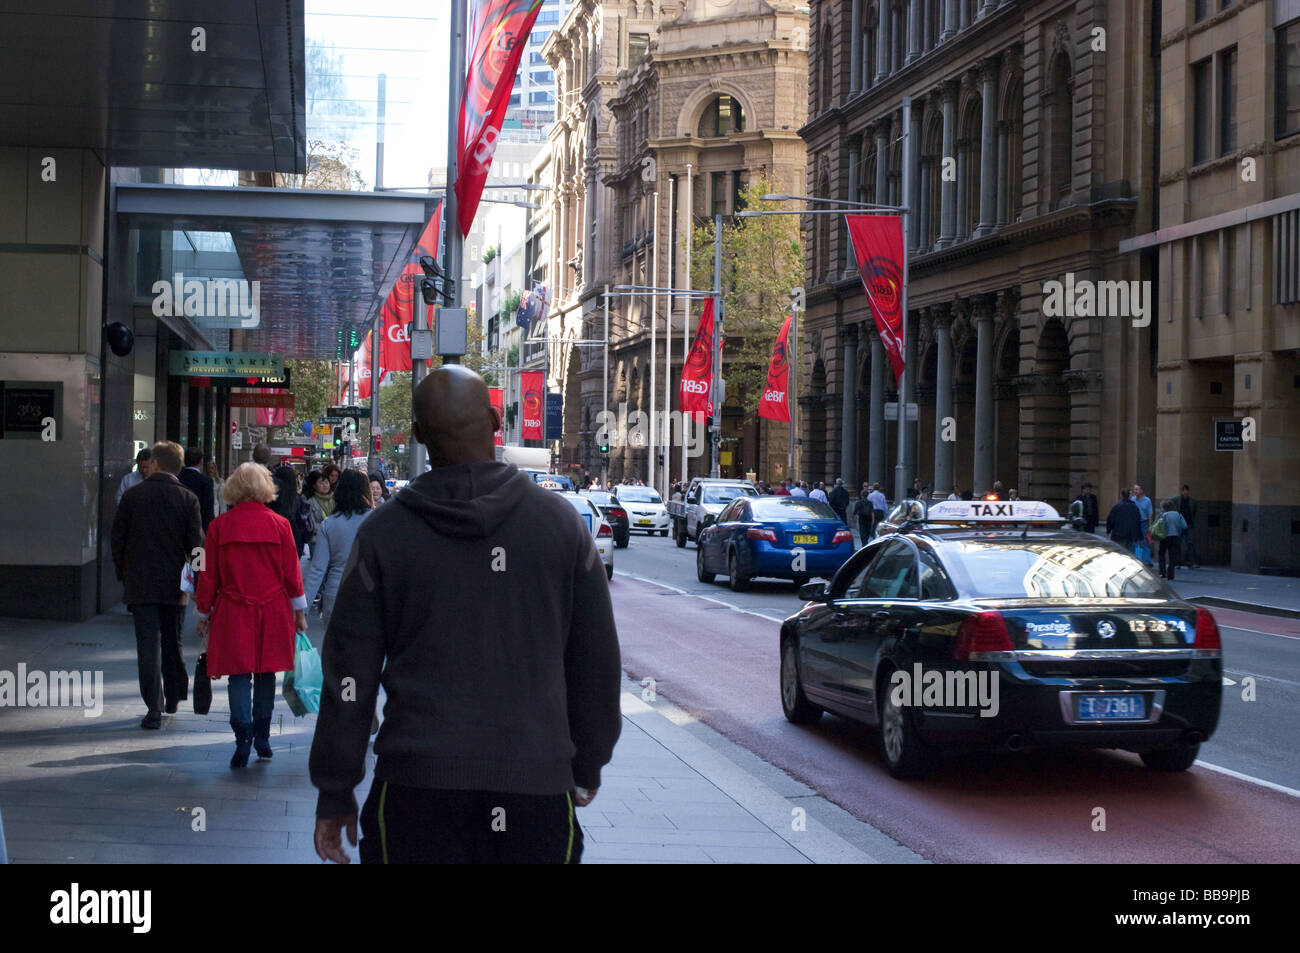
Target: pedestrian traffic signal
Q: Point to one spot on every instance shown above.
(604, 448)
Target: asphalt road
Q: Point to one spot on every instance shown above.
(714, 653)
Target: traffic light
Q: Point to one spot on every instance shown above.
(377, 443)
(338, 437)
(604, 447)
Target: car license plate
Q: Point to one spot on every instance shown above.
(804, 538)
(643, 522)
(1112, 707)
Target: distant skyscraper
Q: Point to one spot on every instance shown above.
(532, 102)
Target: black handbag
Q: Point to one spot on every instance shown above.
(202, 686)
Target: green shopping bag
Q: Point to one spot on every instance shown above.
(302, 686)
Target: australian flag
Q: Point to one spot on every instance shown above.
(532, 306)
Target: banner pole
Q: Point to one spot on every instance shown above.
(686, 310)
(715, 436)
(654, 315)
(900, 469)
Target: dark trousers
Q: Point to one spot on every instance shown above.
(1171, 551)
(163, 676)
(866, 519)
(245, 707)
(405, 825)
(1188, 557)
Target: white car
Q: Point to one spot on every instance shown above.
(601, 531)
(646, 512)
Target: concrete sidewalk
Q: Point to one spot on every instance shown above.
(77, 789)
(1219, 586)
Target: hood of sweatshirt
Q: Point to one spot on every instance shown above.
(469, 500)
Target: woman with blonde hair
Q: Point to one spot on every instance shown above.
(250, 602)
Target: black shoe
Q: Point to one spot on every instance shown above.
(243, 743)
(171, 706)
(152, 720)
(262, 737)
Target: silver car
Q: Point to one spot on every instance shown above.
(602, 533)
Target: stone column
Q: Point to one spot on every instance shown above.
(1003, 144)
(988, 149)
(943, 449)
(963, 167)
(895, 34)
(963, 16)
(947, 189)
(882, 162)
(915, 20)
(882, 40)
(876, 412)
(913, 198)
(923, 237)
(588, 226)
(855, 49)
(849, 414)
(912, 331)
(949, 20)
(982, 309)
(855, 174)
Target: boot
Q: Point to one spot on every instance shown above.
(243, 742)
(262, 737)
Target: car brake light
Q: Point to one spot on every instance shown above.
(842, 536)
(1207, 631)
(761, 533)
(604, 530)
(985, 632)
(619, 513)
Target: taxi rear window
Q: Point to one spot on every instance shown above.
(1048, 569)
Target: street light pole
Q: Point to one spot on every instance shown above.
(686, 307)
(900, 468)
(654, 313)
(604, 397)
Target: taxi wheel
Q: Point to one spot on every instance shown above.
(700, 572)
(1172, 758)
(739, 581)
(798, 709)
(904, 753)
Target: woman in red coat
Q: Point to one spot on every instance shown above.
(250, 601)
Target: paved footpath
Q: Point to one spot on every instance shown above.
(102, 790)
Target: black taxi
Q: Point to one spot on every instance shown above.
(998, 624)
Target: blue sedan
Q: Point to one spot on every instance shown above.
(778, 536)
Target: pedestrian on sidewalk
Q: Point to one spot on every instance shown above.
(156, 531)
(192, 478)
(782, 488)
(249, 601)
(218, 484)
(262, 456)
(1123, 523)
(484, 606)
(799, 491)
(1091, 512)
(329, 554)
(819, 493)
(378, 490)
(321, 497)
(1187, 509)
(290, 504)
(1171, 542)
(838, 499)
(143, 468)
(1145, 508)
(878, 506)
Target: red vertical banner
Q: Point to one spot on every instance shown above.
(271, 416)
(531, 408)
(498, 398)
(878, 245)
(697, 372)
(399, 307)
(361, 363)
(775, 402)
(498, 32)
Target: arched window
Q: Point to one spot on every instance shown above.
(1060, 106)
(722, 117)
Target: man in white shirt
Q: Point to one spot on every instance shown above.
(878, 503)
(798, 490)
(819, 493)
(144, 468)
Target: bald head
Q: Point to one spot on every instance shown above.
(454, 417)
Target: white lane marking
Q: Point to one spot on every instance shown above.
(1276, 635)
(695, 595)
(1267, 678)
(1250, 778)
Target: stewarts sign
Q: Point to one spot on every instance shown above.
(226, 364)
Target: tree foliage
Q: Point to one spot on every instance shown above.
(762, 260)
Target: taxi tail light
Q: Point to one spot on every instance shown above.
(1207, 631)
(842, 536)
(984, 632)
(618, 513)
(604, 530)
(761, 533)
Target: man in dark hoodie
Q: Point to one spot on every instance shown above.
(481, 605)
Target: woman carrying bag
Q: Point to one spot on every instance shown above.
(250, 603)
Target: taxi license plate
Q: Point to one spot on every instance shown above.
(1111, 707)
(643, 522)
(804, 538)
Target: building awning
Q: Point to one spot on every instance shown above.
(126, 79)
(324, 261)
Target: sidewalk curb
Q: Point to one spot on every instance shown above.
(818, 843)
(1214, 602)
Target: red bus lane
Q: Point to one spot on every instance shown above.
(721, 665)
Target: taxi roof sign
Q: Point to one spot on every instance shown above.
(991, 511)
